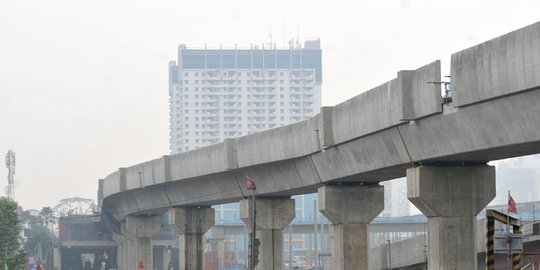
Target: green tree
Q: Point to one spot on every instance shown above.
(27, 217)
(9, 235)
(40, 239)
(47, 217)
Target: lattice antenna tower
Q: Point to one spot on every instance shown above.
(10, 165)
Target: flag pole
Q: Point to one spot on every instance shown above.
(250, 184)
(509, 239)
(254, 228)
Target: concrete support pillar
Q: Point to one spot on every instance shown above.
(191, 223)
(125, 246)
(139, 231)
(57, 259)
(120, 250)
(327, 261)
(166, 258)
(130, 256)
(272, 216)
(351, 208)
(451, 197)
(126, 253)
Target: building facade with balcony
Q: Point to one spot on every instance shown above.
(225, 93)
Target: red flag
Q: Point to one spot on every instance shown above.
(511, 205)
(250, 184)
(141, 265)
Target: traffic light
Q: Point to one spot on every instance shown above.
(256, 252)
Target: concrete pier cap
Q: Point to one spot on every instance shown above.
(192, 219)
(272, 213)
(451, 190)
(351, 204)
(142, 226)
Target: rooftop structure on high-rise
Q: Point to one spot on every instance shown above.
(222, 93)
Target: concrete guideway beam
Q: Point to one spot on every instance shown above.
(139, 231)
(351, 209)
(272, 216)
(375, 135)
(451, 197)
(191, 223)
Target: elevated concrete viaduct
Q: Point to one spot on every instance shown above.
(399, 128)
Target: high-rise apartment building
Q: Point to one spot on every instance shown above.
(222, 93)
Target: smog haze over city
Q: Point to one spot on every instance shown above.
(84, 84)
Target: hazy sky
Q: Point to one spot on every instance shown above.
(84, 84)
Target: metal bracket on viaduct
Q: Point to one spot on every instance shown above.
(400, 128)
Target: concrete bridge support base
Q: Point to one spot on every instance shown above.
(272, 216)
(120, 250)
(351, 209)
(139, 231)
(451, 197)
(166, 258)
(191, 223)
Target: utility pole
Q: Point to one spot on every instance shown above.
(10, 165)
